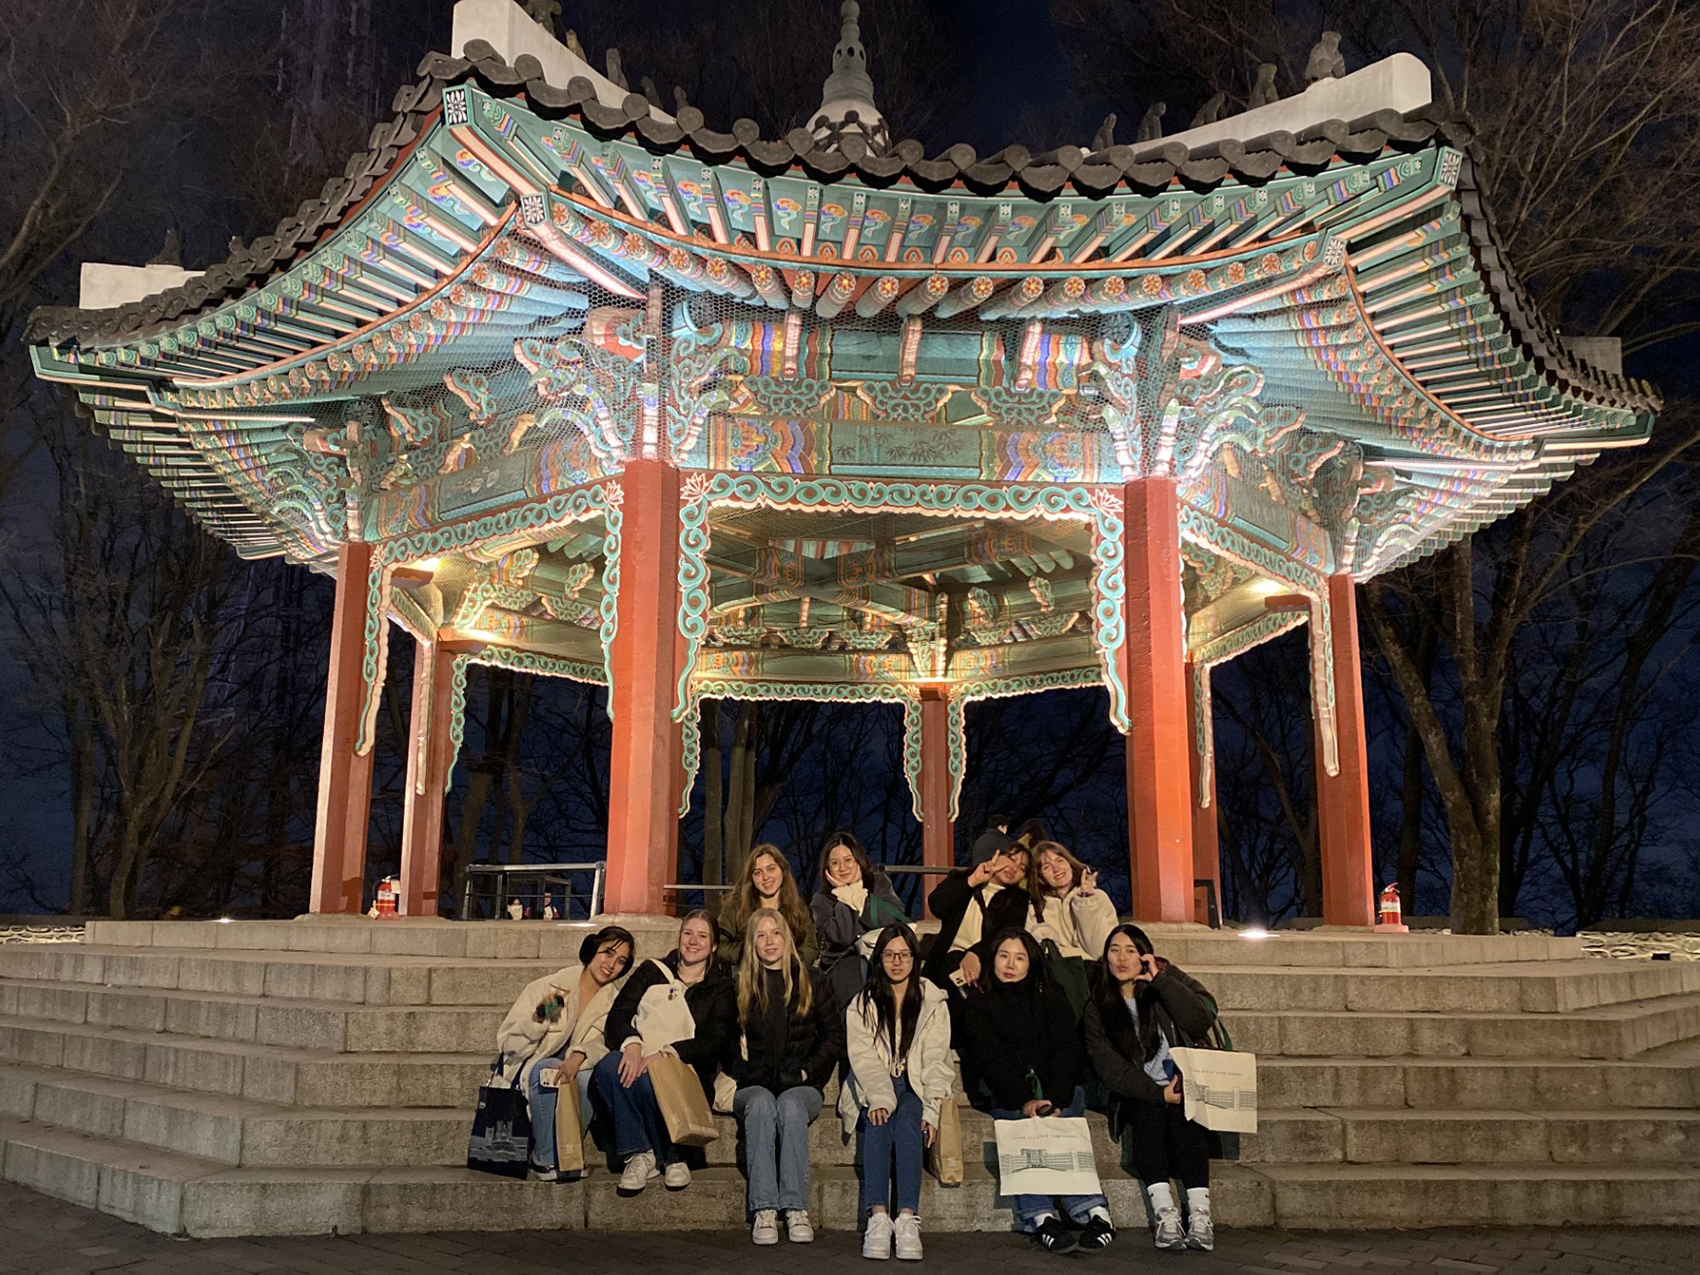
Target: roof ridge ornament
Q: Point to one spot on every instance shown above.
(847, 106)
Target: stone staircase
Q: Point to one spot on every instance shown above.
(257, 1078)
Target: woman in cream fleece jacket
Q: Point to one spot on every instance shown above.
(1071, 910)
(555, 1031)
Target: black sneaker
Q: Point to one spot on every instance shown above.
(1096, 1236)
(1052, 1236)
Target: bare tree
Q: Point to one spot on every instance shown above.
(1588, 115)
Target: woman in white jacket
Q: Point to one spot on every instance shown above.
(554, 1032)
(900, 1074)
(1071, 910)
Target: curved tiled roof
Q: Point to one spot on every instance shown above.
(1142, 169)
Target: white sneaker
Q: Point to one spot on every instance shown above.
(876, 1244)
(540, 1174)
(677, 1177)
(908, 1237)
(797, 1226)
(766, 1227)
(639, 1169)
(1200, 1231)
(1169, 1233)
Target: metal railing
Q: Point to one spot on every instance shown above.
(495, 882)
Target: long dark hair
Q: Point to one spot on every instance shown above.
(1038, 980)
(897, 1025)
(1107, 994)
(858, 852)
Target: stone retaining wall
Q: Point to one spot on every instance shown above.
(1632, 944)
(41, 934)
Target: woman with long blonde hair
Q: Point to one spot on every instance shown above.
(765, 882)
(791, 1042)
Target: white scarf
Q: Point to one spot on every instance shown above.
(854, 896)
(974, 919)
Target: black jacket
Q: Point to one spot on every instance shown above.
(714, 1007)
(950, 901)
(1018, 1033)
(1178, 1006)
(782, 1049)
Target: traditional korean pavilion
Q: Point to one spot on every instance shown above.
(553, 380)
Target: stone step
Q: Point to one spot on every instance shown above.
(233, 1131)
(1189, 945)
(356, 979)
(336, 1026)
(239, 1131)
(184, 1195)
(716, 1200)
(556, 942)
(1547, 987)
(1652, 1079)
(362, 978)
(1604, 1032)
(266, 1073)
(1361, 1197)
(1650, 1136)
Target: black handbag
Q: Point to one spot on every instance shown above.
(501, 1128)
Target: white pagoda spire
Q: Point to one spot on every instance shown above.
(847, 99)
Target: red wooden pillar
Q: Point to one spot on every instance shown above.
(1158, 744)
(1206, 851)
(345, 776)
(429, 755)
(643, 824)
(1348, 869)
(938, 834)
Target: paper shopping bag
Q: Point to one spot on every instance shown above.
(1219, 1087)
(569, 1129)
(1046, 1155)
(683, 1104)
(944, 1157)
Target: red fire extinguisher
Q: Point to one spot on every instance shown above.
(1391, 914)
(386, 896)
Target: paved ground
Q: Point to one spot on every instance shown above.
(47, 1237)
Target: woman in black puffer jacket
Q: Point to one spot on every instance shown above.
(791, 1043)
(1142, 1007)
(1019, 1032)
(622, 1084)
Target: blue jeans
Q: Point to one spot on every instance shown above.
(900, 1135)
(776, 1144)
(635, 1113)
(1029, 1208)
(540, 1102)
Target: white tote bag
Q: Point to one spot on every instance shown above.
(1046, 1155)
(1219, 1087)
(664, 1016)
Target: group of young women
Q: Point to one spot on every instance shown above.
(1031, 983)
